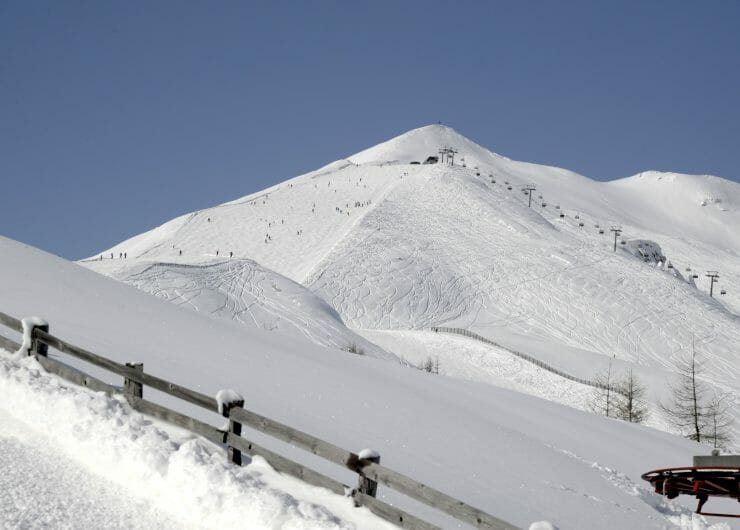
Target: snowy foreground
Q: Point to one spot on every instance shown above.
(88, 461)
(518, 457)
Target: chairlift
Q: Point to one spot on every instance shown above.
(623, 242)
(557, 207)
(544, 204)
(508, 187)
(695, 276)
(601, 231)
(578, 216)
(688, 269)
(580, 224)
(506, 182)
(562, 215)
(539, 196)
(670, 265)
(723, 292)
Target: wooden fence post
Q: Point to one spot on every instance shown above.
(133, 389)
(38, 348)
(365, 485)
(235, 428)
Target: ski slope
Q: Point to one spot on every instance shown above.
(245, 292)
(396, 247)
(550, 462)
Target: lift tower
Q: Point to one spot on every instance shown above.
(713, 277)
(617, 230)
(528, 190)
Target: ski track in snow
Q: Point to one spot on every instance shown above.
(393, 246)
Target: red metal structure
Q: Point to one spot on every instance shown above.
(702, 481)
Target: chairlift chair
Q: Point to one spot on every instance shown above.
(578, 216)
(562, 215)
(623, 242)
(601, 231)
(695, 276)
(723, 292)
(508, 187)
(580, 224)
(544, 204)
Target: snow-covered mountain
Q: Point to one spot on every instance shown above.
(521, 458)
(396, 246)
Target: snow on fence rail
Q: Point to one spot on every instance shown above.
(366, 463)
(528, 358)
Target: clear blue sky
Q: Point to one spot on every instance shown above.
(116, 116)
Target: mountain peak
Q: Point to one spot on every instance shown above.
(417, 145)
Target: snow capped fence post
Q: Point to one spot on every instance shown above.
(227, 401)
(365, 485)
(31, 345)
(133, 389)
(38, 348)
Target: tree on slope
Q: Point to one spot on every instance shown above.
(694, 411)
(719, 421)
(630, 402)
(604, 396)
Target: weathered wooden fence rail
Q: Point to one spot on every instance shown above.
(528, 358)
(367, 466)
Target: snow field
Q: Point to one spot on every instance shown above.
(179, 475)
(431, 245)
(244, 291)
(550, 462)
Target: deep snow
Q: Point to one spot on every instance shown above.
(551, 462)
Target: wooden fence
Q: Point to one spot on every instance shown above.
(370, 471)
(528, 358)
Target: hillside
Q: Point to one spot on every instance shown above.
(396, 247)
(550, 462)
(245, 292)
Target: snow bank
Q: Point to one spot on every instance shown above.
(183, 476)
